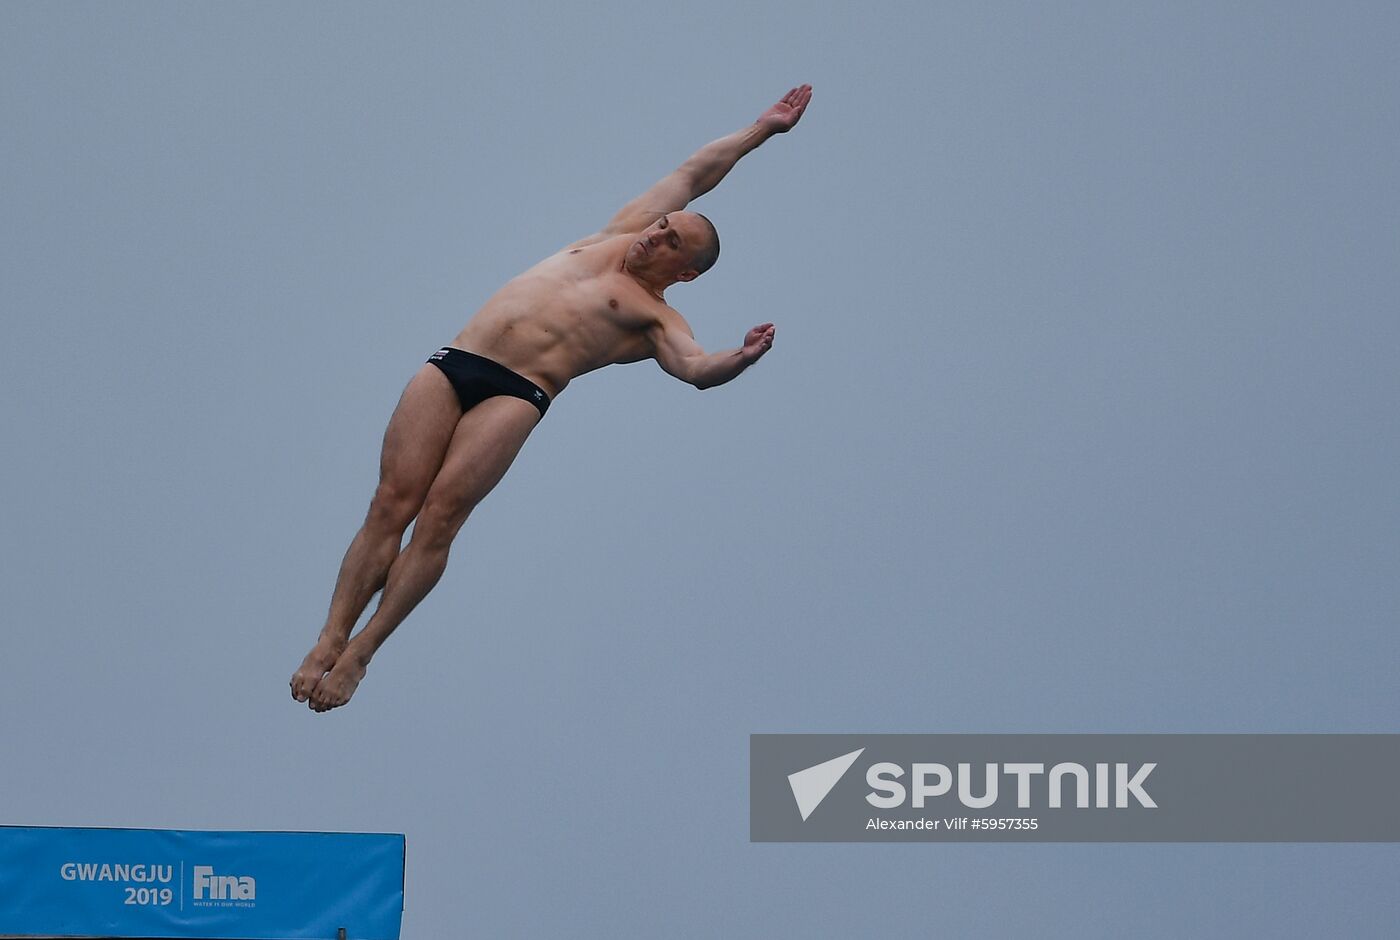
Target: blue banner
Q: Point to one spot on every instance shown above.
(200, 885)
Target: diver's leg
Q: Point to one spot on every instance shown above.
(415, 444)
(486, 441)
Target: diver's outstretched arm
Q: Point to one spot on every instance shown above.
(708, 165)
(676, 351)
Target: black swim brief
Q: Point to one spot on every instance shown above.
(476, 378)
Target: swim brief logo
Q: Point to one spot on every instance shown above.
(538, 394)
(810, 786)
(211, 887)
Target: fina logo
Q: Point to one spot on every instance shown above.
(212, 887)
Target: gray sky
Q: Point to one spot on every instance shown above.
(1081, 417)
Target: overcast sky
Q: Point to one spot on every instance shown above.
(1081, 417)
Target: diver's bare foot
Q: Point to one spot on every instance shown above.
(339, 684)
(317, 663)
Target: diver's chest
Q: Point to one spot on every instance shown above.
(610, 301)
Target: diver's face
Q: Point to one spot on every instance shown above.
(667, 245)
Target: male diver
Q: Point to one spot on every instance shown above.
(466, 413)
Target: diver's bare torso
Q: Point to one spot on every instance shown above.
(575, 311)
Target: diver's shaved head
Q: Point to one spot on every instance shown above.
(706, 256)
